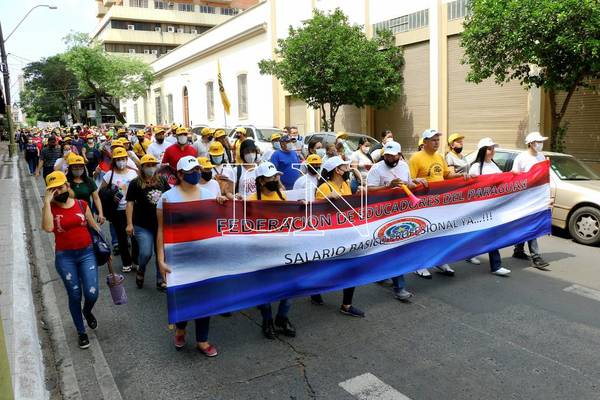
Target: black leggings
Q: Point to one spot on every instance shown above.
(119, 221)
(347, 298)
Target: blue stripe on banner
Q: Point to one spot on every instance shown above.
(237, 292)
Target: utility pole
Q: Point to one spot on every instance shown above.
(98, 112)
(12, 146)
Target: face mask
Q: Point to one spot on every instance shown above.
(90, 141)
(250, 158)
(192, 178)
(272, 186)
(390, 164)
(277, 146)
(458, 150)
(366, 149)
(321, 152)
(160, 140)
(312, 170)
(216, 159)
(77, 172)
(134, 139)
(182, 139)
(346, 175)
(206, 175)
(62, 198)
(149, 171)
(538, 146)
(121, 164)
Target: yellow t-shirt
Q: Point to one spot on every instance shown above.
(431, 167)
(326, 188)
(237, 144)
(137, 148)
(273, 196)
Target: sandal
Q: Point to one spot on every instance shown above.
(161, 287)
(139, 280)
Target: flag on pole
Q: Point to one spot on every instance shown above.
(224, 99)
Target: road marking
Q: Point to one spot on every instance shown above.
(369, 387)
(584, 291)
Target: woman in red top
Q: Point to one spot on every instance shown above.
(75, 260)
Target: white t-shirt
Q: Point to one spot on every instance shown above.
(247, 184)
(212, 186)
(121, 180)
(201, 148)
(381, 175)
(488, 169)
(359, 158)
(174, 195)
(305, 181)
(524, 161)
(157, 150)
(224, 170)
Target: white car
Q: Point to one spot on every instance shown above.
(260, 135)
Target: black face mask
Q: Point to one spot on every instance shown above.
(458, 150)
(312, 170)
(160, 141)
(346, 175)
(272, 186)
(207, 176)
(62, 198)
(390, 164)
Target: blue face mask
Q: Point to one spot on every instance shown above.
(192, 178)
(277, 146)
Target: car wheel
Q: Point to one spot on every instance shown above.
(584, 225)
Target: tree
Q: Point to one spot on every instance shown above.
(51, 90)
(553, 44)
(106, 76)
(329, 62)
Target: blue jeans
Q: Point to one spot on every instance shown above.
(398, 282)
(146, 241)
(534, 249)
(495, 260)
(32, 164)
(282, 312)
(79, 273)
(113, 235)
(202, 326)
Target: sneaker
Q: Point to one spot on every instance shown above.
(402, 294)
(84, 342)
(126, 268)
(317, 300)
(116, 251)
(135, 267)
(352, 311)
(473, 260)
(424, 273)
(445, 270)
(91, 320)
(268, 329)
(210, 351)
(520, 255)
(539, 263)
(501, 271)
(286, 326)
(179, 340)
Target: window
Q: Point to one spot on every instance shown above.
(138, 3)
(170, 108)
(405, 23)
(155, 52)
(131, 51)
(458, 9)
(242, 82)
(179, 30)
(208, 10)
(185, 7)
(131, 27)
(210, 101)
(170, 29)
(163, 5)
(157, 28)
(136, 112)
(229, 11)
(146, 51)
(157, 104)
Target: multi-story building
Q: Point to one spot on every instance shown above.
(150, 28)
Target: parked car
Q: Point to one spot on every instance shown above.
(135, 127)
(260, 135)
(328, 138)
(196, 129)
(575, 189)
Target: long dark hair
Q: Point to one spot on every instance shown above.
(481, 158)
(259, 189)
(311, 146)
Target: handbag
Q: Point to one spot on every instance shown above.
(107, 198)
(101, 248)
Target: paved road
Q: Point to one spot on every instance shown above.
(474, 336)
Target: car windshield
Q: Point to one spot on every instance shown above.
(570, 169)
(351, 142)
(264, 135)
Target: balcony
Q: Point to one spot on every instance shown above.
(102, 10)
(164, 16)
(144, 37)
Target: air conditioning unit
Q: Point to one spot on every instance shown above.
(155, 52)
(157, 29)
(146, 51)
(194, 31)
(131, 27)
(179, 30)
(131, 51)
(170, 29)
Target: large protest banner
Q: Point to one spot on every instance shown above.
(238, 255)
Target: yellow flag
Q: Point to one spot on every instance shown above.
(224, 99)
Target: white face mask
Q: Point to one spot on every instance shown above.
(250, 157)
(538, 146)
(149, 171)
(121, 164)
(182, 139)
(321, 152)
(217, 159)
(77, 172)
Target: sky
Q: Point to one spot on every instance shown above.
(41, 34)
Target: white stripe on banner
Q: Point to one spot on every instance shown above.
(369, 387)
(237, 254)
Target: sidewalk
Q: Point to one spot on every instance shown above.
(17, 309)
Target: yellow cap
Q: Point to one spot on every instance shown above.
(275, 136)
(119, 152)
(219, 133)
(421, 142)
(125, 141)
(75, 160)
(67, 138)
(216, 149)
(148, 159)
(241, 130)
(341, 135)
(181, 131)
(158, 129)
(90, 136)
(116, 143)
(207, 131)
(314, 159)
(205, 162)
(140, 133)
(454, 136)
(121, 130)
(55, 179)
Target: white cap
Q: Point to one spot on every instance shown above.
(535, 137)
(267, 170)
(187, 163)
(429, 133)
(334, 162)
(486, 142)
(392, 148)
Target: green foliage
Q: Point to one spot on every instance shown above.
(554, 44)
(328, 61)
(104, 75)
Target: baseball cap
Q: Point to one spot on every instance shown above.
(341, 135)
(90, 136)
(219, 133)
(535, 137)
(392, 148)
(275, 136)
(148, 159)
(204, 162)
(158, 130)
(429, 133)
(285, 138)
(206, 131)
(187, 163)
(334, 162)
(181, 131)
(116, 143)
(455, 136)
(216, 149)
(267, 170)
(55, 179)
(76, 160)
(119, 152)
(314, 159)
(140, 133)
(241, 130)
(486, 142)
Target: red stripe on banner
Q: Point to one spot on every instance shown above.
(190, 221)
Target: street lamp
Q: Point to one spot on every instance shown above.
(12, 148)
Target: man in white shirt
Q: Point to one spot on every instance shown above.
(158, 146)
(307, 184)
(523, 163)
(203, 142)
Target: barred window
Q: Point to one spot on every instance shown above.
(404, 23)
(138, 3)
(242, 95)
(158, 108)
(208, 10)
(210, 101)
(229, 11)
(185, 7)
(170, 108)
(458, 9)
